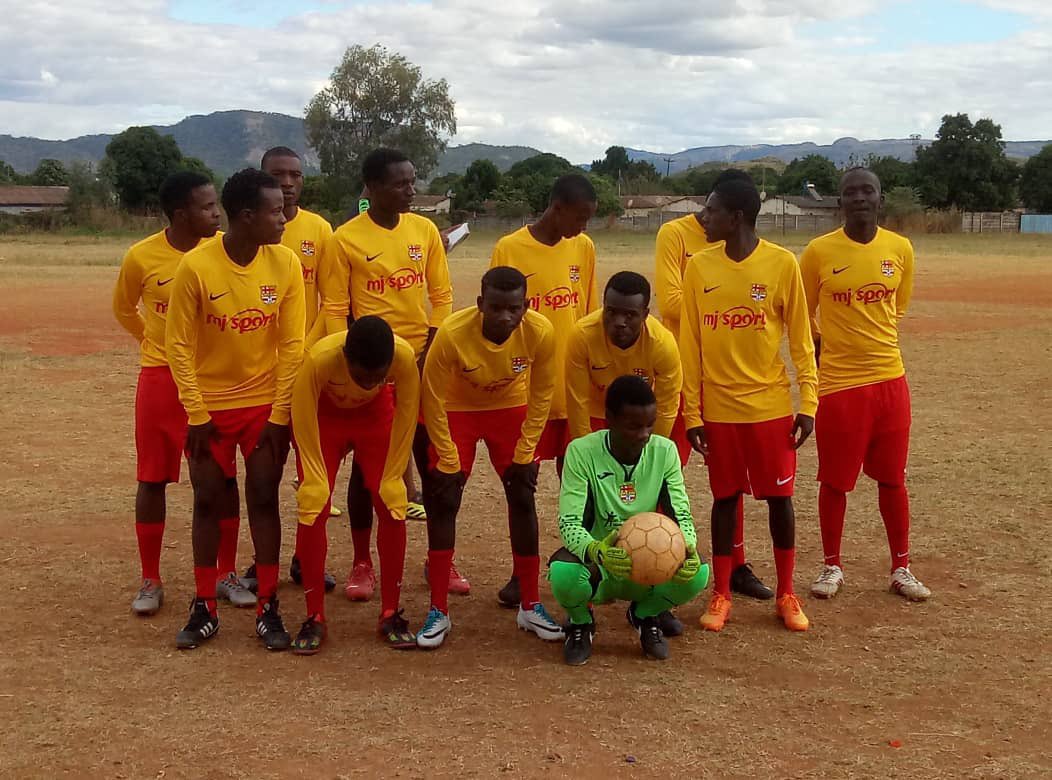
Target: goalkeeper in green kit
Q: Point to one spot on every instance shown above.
(609, 476)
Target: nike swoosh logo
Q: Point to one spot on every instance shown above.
(600, 368)
(162, 284)
(839, 270)
(710, 289)
(369, 259)
(213, 297)
(469, 370)
(780, 482)
(604, 475)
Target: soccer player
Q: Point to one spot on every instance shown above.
(609, 476)
(489, 377)
(859, 280)
(738, 301)
(235, 342)
(678, 241)
(391, 263)
(360, 391)
(558, 260)
(190, 203)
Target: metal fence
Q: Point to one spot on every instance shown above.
(1036, 223)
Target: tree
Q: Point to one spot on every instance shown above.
(891, 171)
(607, 202)
(479, 183)
(1035, 186)
(900, 202)
(614, 165)
(966, 167)
(49, 173)
(814, 169)
(87, 190)
(8, 175)
(440, 185)
(531, 180)
(376, 97)
(137, 162)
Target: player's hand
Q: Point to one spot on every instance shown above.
(690, 568)
(615, 560)
(697, 439)
(199, 440)
(524, 474)
(445, 236)
(275, 440)
(803, 427)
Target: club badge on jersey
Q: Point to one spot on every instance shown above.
(759, 292)
(268, 293)
(519, 364)
(887, 268)
(627, 493)
(575, 273)
(307, 248)
(416, 253)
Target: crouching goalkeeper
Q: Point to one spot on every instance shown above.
(609, 476)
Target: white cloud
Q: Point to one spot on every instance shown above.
(565, 77)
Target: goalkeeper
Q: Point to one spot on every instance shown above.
(609, 476)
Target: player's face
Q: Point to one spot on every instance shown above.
(860, 195)
(718, 222)
(368, 378)
(502, 311)
(289, 173)
(267, 221)
(202, 212)
(571, 219)
(398, 189)
(623, 317)
(630, 430)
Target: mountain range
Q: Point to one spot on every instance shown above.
(230, 140)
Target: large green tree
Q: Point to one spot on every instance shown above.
(478, 183)
(815, 169)
(8, 175)
(966, 167)
(891, 171)
(49, 173)
(440, 185)
(87, 190)
(137, 162)
(635, 177)
(377, 97)
(1035, 185)
(531, 180)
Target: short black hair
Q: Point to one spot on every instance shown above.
(278, 151)
(629, 283)
(370, 343)
(241, 190)
(739, 195)
(504, 278)
(856, 169)
(628, 390)
(374, 166)
(572, 188)
(176, 190)
(732, 174)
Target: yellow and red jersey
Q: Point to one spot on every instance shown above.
(677, 242)
(592, 363)
(859, 292)
(307, 234)
(466, 372)
(393, 274)
(234, 333)
(560, 284)
(146, 275)
(734, 317)
(325, 372)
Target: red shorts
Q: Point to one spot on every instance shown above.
(160, 426)
(864, 429)
(757, 458)
(237, 428)
(678, 436)
(553, 441)
(499, 429)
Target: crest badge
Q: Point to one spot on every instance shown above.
(887, 268)
(759, 292)
(268, 293)
(627, 493)
(519, 364)
(307, 248)
(416, 253)
(575, 273)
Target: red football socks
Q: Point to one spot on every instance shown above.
(228, 530)
(528, 570)
(205, 580)
(832, 506)
(438, 563)
(362, 538)
(738, 550)
(895, 509)
(267, 577)
(312, 545)
(150, 536)
(390, 547)
(721, 574)
(785, 562)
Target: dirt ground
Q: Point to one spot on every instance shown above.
(956, 687)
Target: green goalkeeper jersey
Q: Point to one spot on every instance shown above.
(599, 492)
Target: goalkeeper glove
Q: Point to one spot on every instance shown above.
(615, 560)
(690, 568)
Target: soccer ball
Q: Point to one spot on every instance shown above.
(656, 545)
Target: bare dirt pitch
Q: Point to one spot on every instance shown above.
(957, 687)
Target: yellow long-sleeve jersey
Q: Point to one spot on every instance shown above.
(859, 292)
(325, 372)
(234, 333)
(677, 241)
(146, 275)
(393, 274)
(307, 235)
(592, 363)
(560, 284)
(465, 372)
(734, 316)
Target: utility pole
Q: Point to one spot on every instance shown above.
(668, 164)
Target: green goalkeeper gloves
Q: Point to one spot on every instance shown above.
(690, 568)
(605, 553)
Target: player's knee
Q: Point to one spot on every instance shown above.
(729, 502)
(153, 488)
(697, 584)
(521, 499)
(570, 582)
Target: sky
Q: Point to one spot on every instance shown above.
(566, 77)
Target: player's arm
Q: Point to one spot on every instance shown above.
(438, 371)
(313, 492)
(542, 387)
(180, 341)
(690, 354)
(573, 502)
(334, 284)
(668, 273)
(812, 280)
(292, 316)
(904, 294)
(668, 382)
(403, 427)
(578, 385)
(802, 352)
(126, 295)
(439, 285)
(673, 496)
